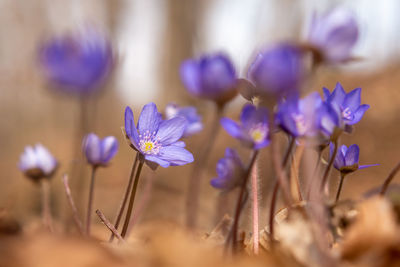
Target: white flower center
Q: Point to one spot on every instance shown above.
(300, 123)
(149, 144)
(346, 114)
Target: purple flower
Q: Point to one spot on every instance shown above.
(157, 140)
(328, 120)
(298, 117)
(349, 104)
(346, 160)
(277, 71)
(253, 129)
(37, 162)
(334, 34)
(77, 63)
(230, 171)
(98, 151)
(212, 77)
(193, 120)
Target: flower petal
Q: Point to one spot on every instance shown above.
(339, 159)
(149, 119)
(367, 166)
(359, 114)
(190, 76)
(157, 160)
(352, 155)
(28, 159)
(109, 147)
(175, 155)
(352, 100)
(171, 130)
(130, 127)
(92, 148)
(46, 161)
(338, 95)
(231, 127)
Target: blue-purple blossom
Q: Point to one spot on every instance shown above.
(230, 171)
(253, 129)
(328, 120)
(349, 103)
(334, 34)
(77, 63)
(37, 162)
(346, 160)
(211, 76)
(277, 71)
(298, 117)
(193, 120)
(157, 140)
(98, 151)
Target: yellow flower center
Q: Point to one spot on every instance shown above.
(148, 146)
(257, 135)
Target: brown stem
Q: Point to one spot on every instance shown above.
(198, 170)
(71, 202)
(328, 168)
(342, 175)
(314, 174)
(90, 201)
(276, 189)
(108, 224)
(389, 179)
(239, 202)
(254, 192)
(125, 197)
(132, 199)
(46, 213)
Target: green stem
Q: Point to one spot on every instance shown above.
(132, 199)
(90, 201)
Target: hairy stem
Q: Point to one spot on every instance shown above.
(72, 205)
(46, 213)
(132, 199)
(328, 168)
(90, 201)
(389, 179)
(192, 200)
(108, 224)
(125, 197)
(254, 192)
(342, 175)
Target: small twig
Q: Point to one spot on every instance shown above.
(109, 225)
(389, 179)
(254, 191)
(71, 202)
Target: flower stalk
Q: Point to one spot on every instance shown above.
(342, 176)
(90, 201)
(46, 212)
(254, 192)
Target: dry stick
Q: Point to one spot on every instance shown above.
(192, 200)
(109, 225)
(239, 203)
(90, 201)
(276, 190)
(328, 168)
(46, 213)
(132, 199)
(125, 197)
(342, 175)
(254, 191)
(389, 179)
(71, 202)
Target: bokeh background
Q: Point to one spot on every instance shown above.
(151, 38)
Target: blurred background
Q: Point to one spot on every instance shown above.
(151, 38)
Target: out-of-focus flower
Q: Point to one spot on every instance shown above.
(212, 77)
(230, 171)
(277, 71)
(346, 160)
(98, 151)
(334, 34)
(253, 129)
(349, 103)
(329, 121)
(193, 125)
(77, 63)
(157, 140)
(298, 117)
(37, 162)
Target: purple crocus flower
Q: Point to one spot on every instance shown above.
(253, 129)
(157, 140)
(349, 103)
(346, 160)
(37, 162)
(77, 63)
(98, 151)
(211, 76)
(277, 71)
(334, 34)
(193, 125)
(298, 117)
(230, 171)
